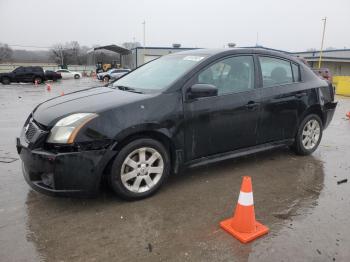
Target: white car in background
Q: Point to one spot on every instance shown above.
(65, 73)
(119, 73)
(112, 74)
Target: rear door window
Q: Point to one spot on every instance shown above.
(275, 71)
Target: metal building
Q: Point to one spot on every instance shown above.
(337, 61)
(140, 55)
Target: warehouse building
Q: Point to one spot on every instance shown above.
(337, 61)
(136, 57)
(141, 55)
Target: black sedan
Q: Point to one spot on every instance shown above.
(182, 110)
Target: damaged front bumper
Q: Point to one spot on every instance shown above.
(63, 174)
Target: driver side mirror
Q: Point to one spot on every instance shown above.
(202, 90)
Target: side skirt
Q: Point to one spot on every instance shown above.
(237, 153)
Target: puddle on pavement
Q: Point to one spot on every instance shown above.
(7, 160)
(181, 222)
(184, 214)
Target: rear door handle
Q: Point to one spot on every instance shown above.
(251, 105)
(300, 95)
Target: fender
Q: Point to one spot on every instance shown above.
(175, 138)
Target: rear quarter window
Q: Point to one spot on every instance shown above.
(296, 72)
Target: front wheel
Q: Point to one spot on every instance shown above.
(6, 81)
(139, 169)
(309, 135)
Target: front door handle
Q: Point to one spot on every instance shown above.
(252, 105)
(300, 95)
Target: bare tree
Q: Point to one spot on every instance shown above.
(59, 54)
(5, 52)
(69, 53)
(83, 55)
(74, 50)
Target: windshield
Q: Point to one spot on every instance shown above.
(159, 74)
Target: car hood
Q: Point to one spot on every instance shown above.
(93, 100)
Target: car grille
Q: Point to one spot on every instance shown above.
(33, 133)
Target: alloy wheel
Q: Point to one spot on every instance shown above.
(311, 134)
(142, 169)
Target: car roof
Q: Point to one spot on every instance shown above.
(237, 50)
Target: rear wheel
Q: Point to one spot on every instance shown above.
(106, 79)
(6, 81)
(37, 80)
(309, 135)
(139, 169)
(76, 76)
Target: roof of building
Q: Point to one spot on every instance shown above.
(323, 51)
(114, 48)
(168, 48)
(313, 55)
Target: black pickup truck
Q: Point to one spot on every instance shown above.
(29, 74)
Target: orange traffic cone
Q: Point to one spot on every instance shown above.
(48, 87)
(243, 225)
(62, 93)
(348, 114)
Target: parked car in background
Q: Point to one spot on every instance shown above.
(181, 110)
(324, 73)
(66, 74)
(119, 73)
(52, 75)
(28, 74)
(113, 73)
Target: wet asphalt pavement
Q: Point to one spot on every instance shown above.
(298, 198)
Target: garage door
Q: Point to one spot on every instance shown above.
(148, 58)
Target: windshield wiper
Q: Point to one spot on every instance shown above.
(129, 89)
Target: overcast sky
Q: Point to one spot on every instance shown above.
(293, 25)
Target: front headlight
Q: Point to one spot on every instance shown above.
(66, 129)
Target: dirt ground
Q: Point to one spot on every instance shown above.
(298, 198)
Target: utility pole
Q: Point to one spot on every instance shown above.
(61, 55)
(257, 39)
(144, 34)
(321, 51)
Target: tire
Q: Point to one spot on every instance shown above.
(106, 79)
(142, 182)
(5, 81)
(76, 76)
(37, 79)
(309, 135)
